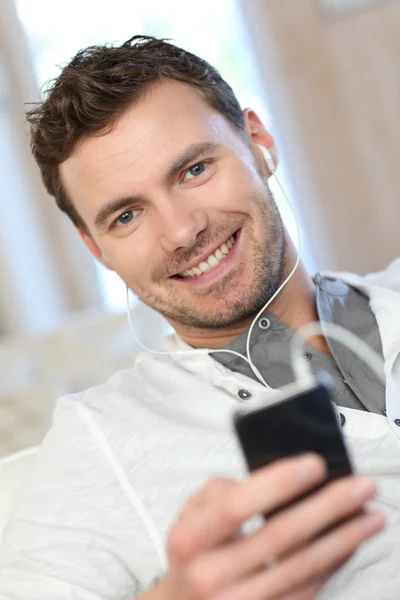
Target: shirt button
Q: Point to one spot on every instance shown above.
(308, 356)
(244, 394)
(397, 422)
(264, 323)
(342, 420)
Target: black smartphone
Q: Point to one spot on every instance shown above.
(303, 420)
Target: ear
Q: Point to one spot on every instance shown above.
(93, 248)
(258, 135)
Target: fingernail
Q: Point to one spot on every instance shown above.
(373, 522)
(310, 468)
(363, 489)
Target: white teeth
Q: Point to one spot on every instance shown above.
(212, 261)
(188, 273)
(204, 266)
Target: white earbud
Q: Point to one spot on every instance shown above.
(268, 158)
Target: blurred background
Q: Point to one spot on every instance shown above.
(324, 75)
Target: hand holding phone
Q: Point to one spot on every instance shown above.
(291, 555)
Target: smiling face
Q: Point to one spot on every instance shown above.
(175, 201)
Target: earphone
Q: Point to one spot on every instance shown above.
(268, 159)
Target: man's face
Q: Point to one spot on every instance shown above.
(175, 201)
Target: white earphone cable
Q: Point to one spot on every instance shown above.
(300, 365)
(298, 249)
(194, 351)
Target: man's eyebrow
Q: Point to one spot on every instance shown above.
(192, 152)
(115, 206)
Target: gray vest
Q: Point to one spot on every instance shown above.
(355, 385)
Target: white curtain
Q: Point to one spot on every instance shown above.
(45, 271)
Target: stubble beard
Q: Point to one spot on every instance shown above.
(240, 301)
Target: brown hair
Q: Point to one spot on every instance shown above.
(98, 85)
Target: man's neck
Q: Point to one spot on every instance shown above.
(295, 307)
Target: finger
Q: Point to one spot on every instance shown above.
(265, 490)
(209, 494)
(309, 592)
(332, 550)
(286, 532)
(276, 485)
(298, 525)
(306, 565)
(197, 516)
(314, 587)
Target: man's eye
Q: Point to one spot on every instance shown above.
(195, 171)
(127, 217)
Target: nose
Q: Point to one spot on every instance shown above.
(180, 224)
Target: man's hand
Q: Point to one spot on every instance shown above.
(289, 558)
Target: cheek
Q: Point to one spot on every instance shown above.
(137, 264)
(130, 260)
(232, 193)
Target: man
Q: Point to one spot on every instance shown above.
(145, 148)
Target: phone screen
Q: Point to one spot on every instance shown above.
(304, 422)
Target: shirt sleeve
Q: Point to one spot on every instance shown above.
(65, 539)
